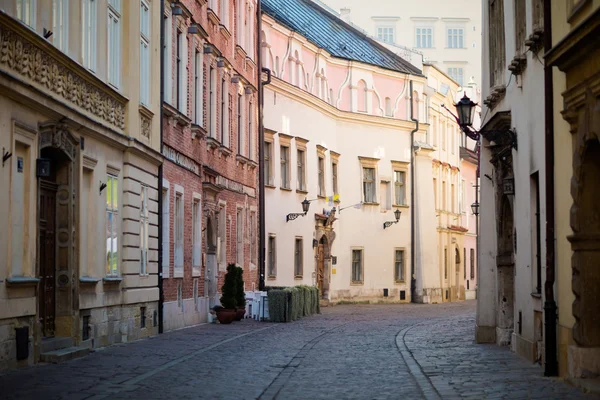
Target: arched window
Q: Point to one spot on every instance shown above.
(388, 107)
(362, 96)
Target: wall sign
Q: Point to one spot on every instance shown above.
(20, 164)
(181, 160)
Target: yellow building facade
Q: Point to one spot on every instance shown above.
(80, 139)
(576, 89)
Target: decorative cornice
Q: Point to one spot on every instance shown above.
(44, 66)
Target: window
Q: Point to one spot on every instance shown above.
(114, 42)
(197, 234)
(145, 81)
(435, 195)
(424, 38)
(60, 24)
(445, 263)
(455, 37)
(399, 265)
(240, 22)
(334, 177)
(89, 40)
(298, 267)
(285, 166)
(250, 131)
(386, 34)
(166, 232)
(167, 57)
(224, 116)
(472, 263)
(444, 201)
(239, 236)
(26, 12)
(268, 167)
(229, 129)
(461, 196)
(399, 188)
(444, 133)
(385, 200)
(253, 248)
(222, 244)
(178, 231)
(357, 266)
(536, 224)
(465, 262)
(198, 88)
(520, 25)
(224, 13)
(496, 42)
(212, 103)
(181, 72)
(453, 200)
(144, 229)
(456, 74)
(272, 272)
(301, 170)
(240, 125)
(112, 221)
(538, 14)
(321, 176)
(369, 192)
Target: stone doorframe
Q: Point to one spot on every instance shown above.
(210, 211)
(324, 228)
(55, 135)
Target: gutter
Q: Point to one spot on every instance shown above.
(161, 296)
(550, 314)
(413, 278)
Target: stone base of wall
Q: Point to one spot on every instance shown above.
(523, 347)
(368, 295)
(584, 362)
(503, 336)
(8, 342)
(119, 324)
(470, 295)
(189, 313)
(485, 334)
(433, 296)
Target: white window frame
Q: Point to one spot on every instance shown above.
(455, 37)
(144, 230)
(373, 198)
(113, 53)
(212, 103)
(89, 42)
(239, 234)
(253, 248)
(272, 256)
(334, 177)
(240, 124)
(198, 87)
(166, 229)
(60, 24)
(457, 73)
(361, 266)
(285, 166)
(321, 175)
(301, 169)
(178, 232)
(251, 152)
(182, 86)
(26, 12)
(298, 257)
(196, 234)
(427, 33)
(222, 236)
(224, 13)
(112, 224)
(399, 265)
(399, 186)
(386, 33)
(224, 111)
(145, 81)
(168, 57)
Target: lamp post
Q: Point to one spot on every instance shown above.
(475, 208)
(305, 206)
(390, 223)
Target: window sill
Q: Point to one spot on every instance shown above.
(536, 295)
(225, 31)
(401, 205)
(270, 186)
(356, 283)
(212, 16)
(212, 143)
(240, 50)
(298, 277)
(285, 188)
(301, 191)
(22, 281)
(370, 204)
(89, 280)
(198, 132)
(271, 277)
(321, 196)
(112, 279)
(226, 151)
(400, 282)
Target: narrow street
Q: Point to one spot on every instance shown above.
(347, 352)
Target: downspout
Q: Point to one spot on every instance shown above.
(413, 278)
(161, 297)
(550, 320)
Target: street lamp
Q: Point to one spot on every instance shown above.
(475, 208)
(390, 223)
(466, 111)
(305, 206)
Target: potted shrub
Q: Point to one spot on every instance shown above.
(240, 295)
(226, 315)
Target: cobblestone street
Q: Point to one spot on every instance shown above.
(347, 352)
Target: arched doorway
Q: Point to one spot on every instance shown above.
(505, 273)
(56, 230)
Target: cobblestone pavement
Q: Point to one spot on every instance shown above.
(347, 352)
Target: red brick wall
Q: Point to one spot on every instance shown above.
(180, 138)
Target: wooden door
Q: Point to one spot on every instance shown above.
(320, 267)
(47, 257)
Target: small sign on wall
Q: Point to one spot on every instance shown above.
(20, 164)
(333, 271)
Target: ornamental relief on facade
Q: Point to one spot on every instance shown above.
(26, 59)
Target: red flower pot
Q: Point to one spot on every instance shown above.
(226, 316)
(239, 314)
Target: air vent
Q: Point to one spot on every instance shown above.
(403, 295)
(385, 292)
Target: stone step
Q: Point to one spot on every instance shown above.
(55, 343)
(62, 355)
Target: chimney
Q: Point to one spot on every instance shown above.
(345, 14)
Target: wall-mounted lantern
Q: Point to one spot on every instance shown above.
(305, 207)
(390, 223)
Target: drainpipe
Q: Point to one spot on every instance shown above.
(550, 320)
(161, 297)
(413, 278)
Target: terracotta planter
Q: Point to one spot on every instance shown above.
(239, 314)
(226, 316)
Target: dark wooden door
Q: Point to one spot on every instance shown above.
(47, 256)
(320, 267)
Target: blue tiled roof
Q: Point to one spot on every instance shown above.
(334, 35)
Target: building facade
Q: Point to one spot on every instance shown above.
(448, 34)
(512, 236)
(81, 154)
(575, 81)
(338, 134)
(210, 134)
